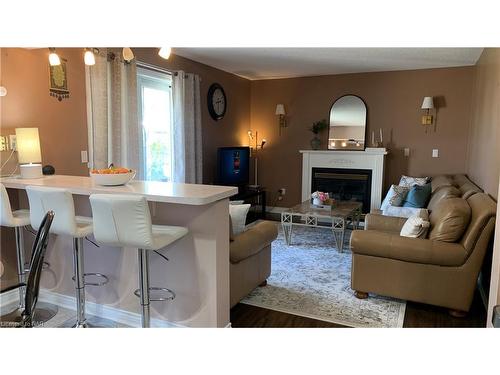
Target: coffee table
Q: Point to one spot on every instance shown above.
(337, 218)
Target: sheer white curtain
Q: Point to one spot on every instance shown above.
(114, 132)
(187, 165)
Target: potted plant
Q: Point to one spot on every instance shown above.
(316, 128)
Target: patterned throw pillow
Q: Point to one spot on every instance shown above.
(398, 195)
(410, 181)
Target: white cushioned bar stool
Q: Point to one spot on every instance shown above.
(125, 221)
(18, 220)
(66, 223)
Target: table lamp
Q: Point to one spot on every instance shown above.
(28, 152)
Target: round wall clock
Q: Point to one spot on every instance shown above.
(216, 100)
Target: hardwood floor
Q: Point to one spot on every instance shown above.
(417, 316)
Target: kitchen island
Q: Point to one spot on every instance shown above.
(197, 269)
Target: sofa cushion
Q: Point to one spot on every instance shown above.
(441, 193)
(416, 226)
(397, 195)
(460, 179)
(402, 211)
(238, 213)
(253, 240)
(449, 220)
(409, 181)
(418, 196)
(440, 181)
(469, 189)
(415, 250)
(483, 210)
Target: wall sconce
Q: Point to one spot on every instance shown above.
(427, 105)
(89, 57)
(280, 112)
(165, 52)
(127, 54)
(3, 91)
(54, 59)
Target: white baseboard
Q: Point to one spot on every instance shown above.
(102, 311)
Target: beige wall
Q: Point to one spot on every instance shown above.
(393, 100)
(62, 124)
(483, 162)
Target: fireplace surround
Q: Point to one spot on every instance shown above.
(354, 162)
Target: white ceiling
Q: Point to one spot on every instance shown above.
(269, 63)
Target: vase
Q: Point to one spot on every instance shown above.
(317, 202)
(315, 143)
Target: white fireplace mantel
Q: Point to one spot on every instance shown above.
(371, 158)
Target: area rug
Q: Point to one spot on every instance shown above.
(311, 278)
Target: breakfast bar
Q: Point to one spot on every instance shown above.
(197, 269)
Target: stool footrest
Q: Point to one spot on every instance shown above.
(45, 265)
(170, 295)
(96, 274)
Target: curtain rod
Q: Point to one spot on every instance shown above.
(142, 64)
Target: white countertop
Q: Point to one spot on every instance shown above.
(167, 192)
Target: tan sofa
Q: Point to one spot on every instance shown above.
(440, 272)
(250, 259)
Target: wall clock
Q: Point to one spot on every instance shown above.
(216, 101)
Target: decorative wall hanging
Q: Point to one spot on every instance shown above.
(58, 81)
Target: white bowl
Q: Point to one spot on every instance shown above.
(112, 179)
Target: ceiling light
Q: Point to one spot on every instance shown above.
(165, 52)
(89, 57)
(128, 55)
(3, 91)
(53, 57)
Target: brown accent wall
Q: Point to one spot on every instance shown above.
(483, 161)
(393, 100)
(62, 124)
(229, 131)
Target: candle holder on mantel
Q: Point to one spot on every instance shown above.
(380, 142)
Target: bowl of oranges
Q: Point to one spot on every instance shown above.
(112, 176)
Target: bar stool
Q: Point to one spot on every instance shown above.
(18, 220)
(66, 223)
(125, 221)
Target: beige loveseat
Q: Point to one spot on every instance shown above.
(250, 258)
(438, 270)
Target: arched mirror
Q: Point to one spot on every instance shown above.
(347, 124)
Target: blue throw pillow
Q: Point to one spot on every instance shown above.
(418, 196)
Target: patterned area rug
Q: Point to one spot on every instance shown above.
(311, 278)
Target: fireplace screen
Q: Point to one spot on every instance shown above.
(344, 184)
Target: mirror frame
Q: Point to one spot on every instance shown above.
(366, 123)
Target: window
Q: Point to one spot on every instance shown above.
(155, 116)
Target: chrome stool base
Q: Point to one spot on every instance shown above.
(95, 274)
(43, 313)
(171, 294)
(90, 322)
